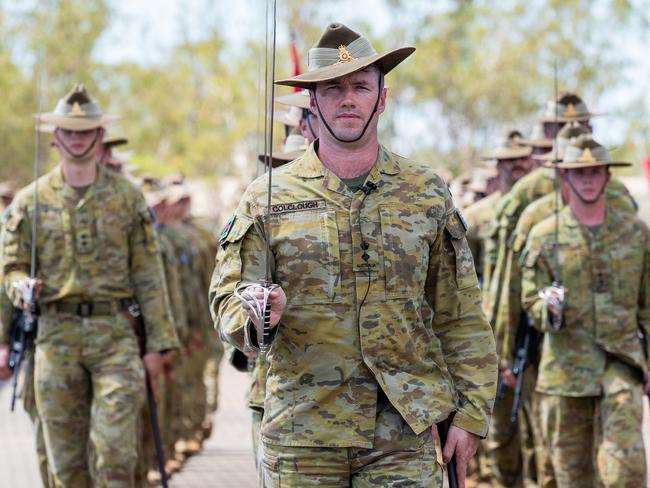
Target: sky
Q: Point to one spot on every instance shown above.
(143, 31)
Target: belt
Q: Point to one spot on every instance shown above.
(88, 308)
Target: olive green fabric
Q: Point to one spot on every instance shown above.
(326, 364)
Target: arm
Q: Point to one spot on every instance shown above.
(16, 251)
(466, 337)
(240, 259)
(536, 274)
(148, 281)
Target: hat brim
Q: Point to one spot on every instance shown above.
(284, 119)
(281, 158)
(387, 61)
(76, 123)
(585, 164)
(580, 118)
(297, 99)
(543, 143)
(117, 141)
(509, 153)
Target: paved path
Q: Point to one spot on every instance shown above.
(225, 461)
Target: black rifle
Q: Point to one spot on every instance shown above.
(22, 334)
(443, 429)
(527, 341)
(134, 314)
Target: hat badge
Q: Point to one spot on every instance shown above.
(76, 110)
(571, 111)
(587, 156)
(344, 55)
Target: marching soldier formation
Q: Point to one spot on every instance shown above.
(388, 338)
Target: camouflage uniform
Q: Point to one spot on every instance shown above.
(93, 251)
(590, 371)
(329, 363)
(479, 216)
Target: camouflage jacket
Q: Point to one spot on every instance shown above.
(173, 283)
(327, 361)
(607, 274)
(479, 216)
(101, 247)
(509, 309)
(6, 307)
(534, 185)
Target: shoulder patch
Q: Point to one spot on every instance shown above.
(462, 220)
(227, 228)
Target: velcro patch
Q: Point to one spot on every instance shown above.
(280, 208)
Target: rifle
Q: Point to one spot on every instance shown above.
(134, 315)
(443, 429)
(526, 345)
(22, 334)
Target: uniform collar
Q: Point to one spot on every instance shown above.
(310, 166)
(58, 183)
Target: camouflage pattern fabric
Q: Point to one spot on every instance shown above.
(608, 281)
(398, 457)
(101, 247)
(98, 247)
(479, 215)
(89, 383)
(327, 362)
(607, 276)
(597, 441)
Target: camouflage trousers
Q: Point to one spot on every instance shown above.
(597, 441)
(256, 425)
(29, 403)
(500, 453)
(89, 384)
(398, 458)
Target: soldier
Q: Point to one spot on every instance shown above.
(362, 241)
(96, 257)
(586, 287)
(509, 323)
(308, 121)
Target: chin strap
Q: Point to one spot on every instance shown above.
(69, 151)
(584, 200)
(374, 111)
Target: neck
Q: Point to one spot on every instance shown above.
(588, 214)
(79, 173)
(348, 160)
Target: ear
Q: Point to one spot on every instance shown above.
(381, 106)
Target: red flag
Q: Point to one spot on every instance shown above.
(295, 59)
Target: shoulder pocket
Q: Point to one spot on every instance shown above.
(465, 272)
(234, 230)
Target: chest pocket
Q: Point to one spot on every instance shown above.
(307, 255)
(405, 249)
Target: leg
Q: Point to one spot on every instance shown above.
(62, 388)
(567, 430)
(399, 457)
(118, 393)
(502, 448)
(620, 452)
(305, 467)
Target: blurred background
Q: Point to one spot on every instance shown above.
(185, 75)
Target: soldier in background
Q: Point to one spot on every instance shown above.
(97, 256)
(587, 289)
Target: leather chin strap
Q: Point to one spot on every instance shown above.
(374, 111)
(584, 200)
(70, 152)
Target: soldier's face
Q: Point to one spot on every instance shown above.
(513, 169)
(347, 103)
(587, 183)
(78, 144)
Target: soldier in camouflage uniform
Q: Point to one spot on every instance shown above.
(508, 321)
(96, 256)
(593, 364)
(363, 244)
